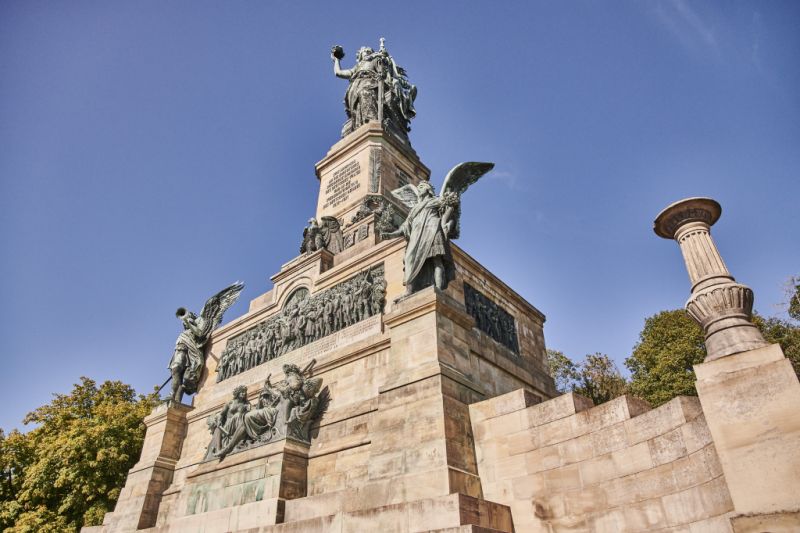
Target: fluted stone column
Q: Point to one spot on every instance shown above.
(748, 389)
(721, 306)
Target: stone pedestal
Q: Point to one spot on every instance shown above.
(139, 500)
(368, 162)
(751, 403)
(246, 490)
(427, 402)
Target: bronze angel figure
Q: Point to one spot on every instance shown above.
(430, 225)
(188, 359)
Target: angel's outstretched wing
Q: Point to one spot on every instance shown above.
(463, 175)
(406, 194)
(217, 305)
(311, 386)
(324, 399)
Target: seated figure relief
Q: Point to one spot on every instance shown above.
(286, 409)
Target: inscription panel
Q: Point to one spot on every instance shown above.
(342, 183)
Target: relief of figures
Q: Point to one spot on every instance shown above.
(491, 318)
(304, 319)
(284, 410)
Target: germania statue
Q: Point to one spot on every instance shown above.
(430, 225)
(379, 90)
(188, 359)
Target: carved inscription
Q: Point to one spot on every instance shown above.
(491, 318)
(342, 183)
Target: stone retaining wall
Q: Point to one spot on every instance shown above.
(563, 465)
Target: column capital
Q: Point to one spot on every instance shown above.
(704, 210)
(722, 307)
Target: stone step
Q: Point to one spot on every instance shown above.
(471, 528)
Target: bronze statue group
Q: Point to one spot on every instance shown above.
(285, 409)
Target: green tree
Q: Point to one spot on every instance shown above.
(15, 455)
(793, 292)
(670, 344)
(599, 379)
(563, 370)
(71, 467)
(784, 333)
(596, 377)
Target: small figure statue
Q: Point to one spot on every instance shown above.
(304, 404)
(431, 223)
(378, 90)
(253, 424)
(229, 421)
(377, 297)
(188, 359)
(326, 235)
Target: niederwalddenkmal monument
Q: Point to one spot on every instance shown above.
(388, 382)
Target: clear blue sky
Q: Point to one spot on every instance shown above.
(152, 152)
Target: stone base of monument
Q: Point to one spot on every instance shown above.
(245, 490)
(140, 498)
(751, 402)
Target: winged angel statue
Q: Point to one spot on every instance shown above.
(188, 359)
(432, 222)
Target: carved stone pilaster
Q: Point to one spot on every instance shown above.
(374, 169)
(721, 306)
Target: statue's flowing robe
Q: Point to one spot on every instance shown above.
(423, 230)
(361, 98)
(188, 355)
(258, 421)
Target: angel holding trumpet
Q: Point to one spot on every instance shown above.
(430, 225)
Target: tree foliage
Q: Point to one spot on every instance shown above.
(671, 343)
(596, 377)
(793, 292)
(599, 379)
(784, 333)
(563, 370)
(67, 472)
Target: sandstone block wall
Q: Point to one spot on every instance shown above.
(564, 465)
